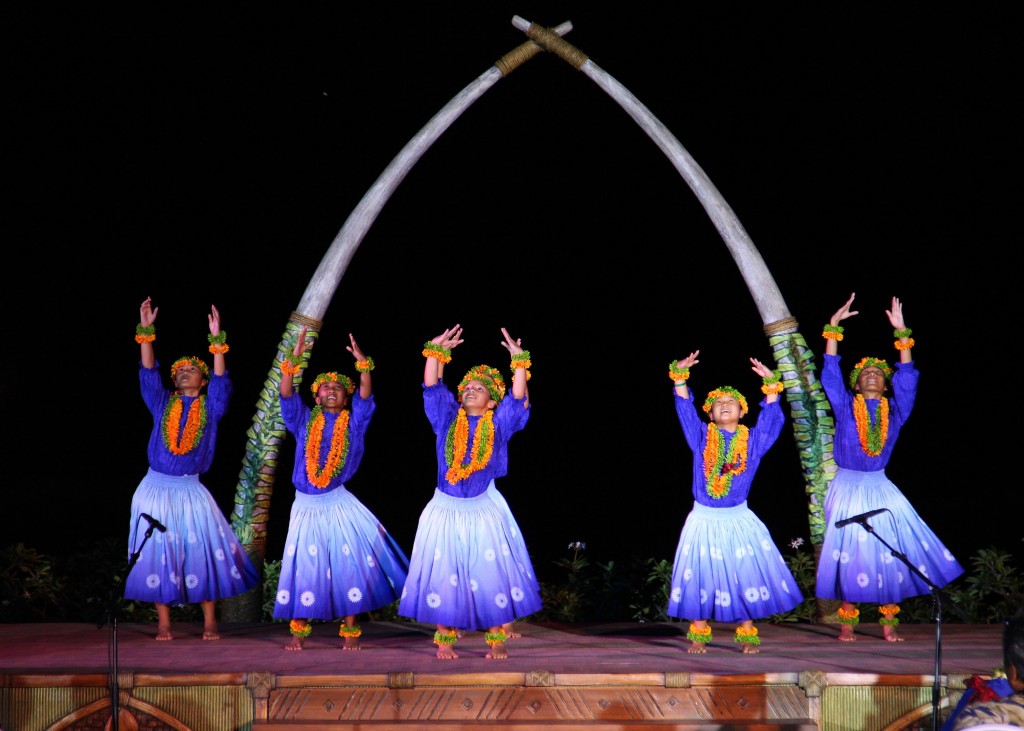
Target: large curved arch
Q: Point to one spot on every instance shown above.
(793, 358)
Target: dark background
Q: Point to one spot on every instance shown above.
(210, 158)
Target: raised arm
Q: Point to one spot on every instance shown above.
(145, 332)
(290, 367)
(438, 352)
(520, 364)
(834, 332)
(901, 332)
(364, 365)
(679, 371)
(218, 342)
(772, 386)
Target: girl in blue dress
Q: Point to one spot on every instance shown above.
(469, 567)
(194, 557)
(855, 566)
(339, 561)
(727, 568)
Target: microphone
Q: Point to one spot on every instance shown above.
(154, 523)
(860, 518)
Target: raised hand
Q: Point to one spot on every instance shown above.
(689, 360)
(843, 312)
(147, 313)
(761, 369)
(214, 318)
(354, 349)
(449, 338)
(895, 314)
(512, 345)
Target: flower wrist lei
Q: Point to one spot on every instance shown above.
(145, 333)
(445, 638)
(833, 332)
(747, 636)
(433, 350)
(218, 342)
(291, 365)
(365, 366)
(903, 339)
(892, 609)
(300, 630)
(522, 360)
(677, 374)
(699, 635)
(772, 384)
(851, 617)
(353, 631)
(495, 638)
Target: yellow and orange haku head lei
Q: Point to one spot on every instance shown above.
(190, 360)
(868, 362)
(725, 391)
(490, 377)
(337, 378)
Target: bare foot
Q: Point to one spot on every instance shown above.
(697, 648)
(846, 634)
(352, 643)
(497, 652)
(295, 644)
(211, 633)
(891, 635)
(163, 633)
(446, 652)
(749, 649)
(510, 631)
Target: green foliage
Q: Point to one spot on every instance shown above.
(30, 588)
(804, 569)
(271, 575)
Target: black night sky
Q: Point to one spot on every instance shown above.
(212, 158)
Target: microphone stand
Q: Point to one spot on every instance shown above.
(936, 684)
(112, 612)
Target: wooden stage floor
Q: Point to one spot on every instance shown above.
(57, 677)
(407, 647)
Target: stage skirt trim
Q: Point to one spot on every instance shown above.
(469, 567)
(728, 569)
(338, 559)
(855, 566)
(197, 559)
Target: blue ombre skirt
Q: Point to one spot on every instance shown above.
(198, 559)
(855, 566)
(338, 559)
(469, 566)
(728, 569)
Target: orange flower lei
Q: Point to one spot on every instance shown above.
(719, 467)
(195, 424)
(458, 440)
(873, 437)
(339, 447)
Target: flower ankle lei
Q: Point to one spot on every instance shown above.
(495, 638)
(849, 617)
(353, 631)
(892, 609)
(747, 636)
(300, 629)
(445, 638)
(695, 634)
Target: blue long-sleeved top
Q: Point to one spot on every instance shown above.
(510, 415)
(762, 435)
(296, 418)
(846, 448)
(156, 395)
